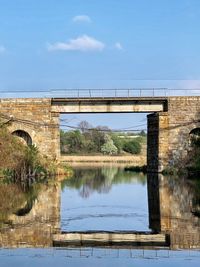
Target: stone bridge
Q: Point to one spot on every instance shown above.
(170, 122)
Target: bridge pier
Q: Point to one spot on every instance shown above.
(168, 141)
(157, 141)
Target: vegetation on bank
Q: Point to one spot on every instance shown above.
(100, 140)
(23, 165)
(23, 172)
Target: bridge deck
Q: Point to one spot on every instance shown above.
(109, 104)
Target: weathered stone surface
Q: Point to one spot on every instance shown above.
(169, 132)
(34, 116)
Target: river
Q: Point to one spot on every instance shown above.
(109, 199)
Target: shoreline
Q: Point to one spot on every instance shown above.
(98, 160)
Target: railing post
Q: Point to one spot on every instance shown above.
(90, 93)
(128, 92)
(153, 92)
(140, 92)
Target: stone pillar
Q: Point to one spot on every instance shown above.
(152, 142)
(157, 141)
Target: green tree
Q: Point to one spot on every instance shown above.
(98, 138)
(142, 133)
(74, 141)
(63, 142)
(108, 147)
(118, 142)
(133, 147)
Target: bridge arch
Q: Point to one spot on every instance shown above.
(24, 136)
(195, 136)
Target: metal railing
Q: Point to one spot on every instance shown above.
(100, 93)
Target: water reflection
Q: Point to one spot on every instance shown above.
(174, 209)
(31, 219)
(104, 199)
(101, 180)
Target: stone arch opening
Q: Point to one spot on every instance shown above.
(24, 136)
(195, 137)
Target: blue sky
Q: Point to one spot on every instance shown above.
(91, 44)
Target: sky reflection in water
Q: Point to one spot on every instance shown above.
(104, 199)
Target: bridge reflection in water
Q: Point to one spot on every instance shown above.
(173, 214)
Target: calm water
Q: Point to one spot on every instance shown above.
(104, 199)
(100, 199)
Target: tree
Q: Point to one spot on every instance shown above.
(142, 133)
(63, 142)
(84, 126)
(75, 141)
(109, 148)
(118, 142)
(133, 147)
(98, 138)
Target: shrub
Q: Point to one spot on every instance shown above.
(117, 142)
(109, 148)
(133, 147)
(21, 164)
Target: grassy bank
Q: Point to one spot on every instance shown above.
(138, 160)
(23, 164)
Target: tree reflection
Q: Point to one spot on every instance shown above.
(100, 180)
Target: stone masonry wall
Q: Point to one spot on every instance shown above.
(183, 116)
(169, 133)
(34, 116)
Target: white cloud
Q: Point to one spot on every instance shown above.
(82, 43)
(82, 18)
(2, 49)
(118, 46)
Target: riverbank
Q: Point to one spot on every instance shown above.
(97, 160)
(22, 164)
